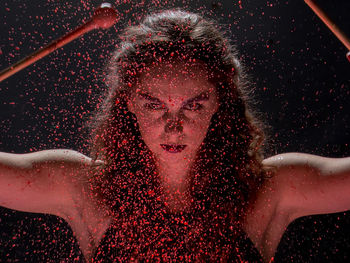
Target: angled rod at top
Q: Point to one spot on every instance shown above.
(104, 17)
(329, 23)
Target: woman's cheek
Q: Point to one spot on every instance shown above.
(147, 125)
(150, 127)
(196, 129)
(200, 121)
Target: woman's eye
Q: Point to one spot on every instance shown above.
(193, 106)
(154, 106)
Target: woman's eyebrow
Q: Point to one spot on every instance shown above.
(147, 96)
(204, 96)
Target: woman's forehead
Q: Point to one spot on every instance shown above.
(180, 78)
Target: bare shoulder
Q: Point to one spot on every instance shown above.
(47, 181)
(290, 172)
(311, 184)
(76, 173)
(61, 155)
(294, 159)
(299, 176)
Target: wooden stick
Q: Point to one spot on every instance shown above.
(104, 17)
(329, 23)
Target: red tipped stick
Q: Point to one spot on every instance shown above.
(330, 24)
(104, 17)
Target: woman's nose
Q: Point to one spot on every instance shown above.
(173, 125)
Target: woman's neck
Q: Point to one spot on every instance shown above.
(174, 180)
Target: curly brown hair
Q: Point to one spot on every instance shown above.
(227, 170)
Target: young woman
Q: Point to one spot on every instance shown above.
(176, 170)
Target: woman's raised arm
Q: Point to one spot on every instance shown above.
(42, 182)
(311, 184)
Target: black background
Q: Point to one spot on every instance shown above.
(298, 71)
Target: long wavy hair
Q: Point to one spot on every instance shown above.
(227, 171)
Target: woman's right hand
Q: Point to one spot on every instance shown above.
(43, 182)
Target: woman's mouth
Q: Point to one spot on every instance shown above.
(173, 148)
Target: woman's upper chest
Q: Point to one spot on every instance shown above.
(264, 223)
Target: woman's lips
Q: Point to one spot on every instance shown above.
(173, 148)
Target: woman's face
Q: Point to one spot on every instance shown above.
(173, 103)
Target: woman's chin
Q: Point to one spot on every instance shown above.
(185, 155)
